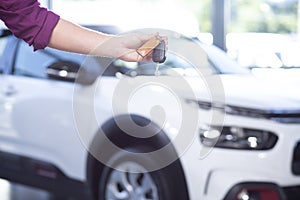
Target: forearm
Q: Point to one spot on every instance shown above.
(68, 36)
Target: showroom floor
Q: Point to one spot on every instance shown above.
(10, 191)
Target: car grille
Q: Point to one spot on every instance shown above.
(296, 160)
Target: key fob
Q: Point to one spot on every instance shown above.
(159, 52)
(146, 48)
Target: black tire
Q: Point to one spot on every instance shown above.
(163, 184)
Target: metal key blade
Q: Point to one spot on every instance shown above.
(156, 69)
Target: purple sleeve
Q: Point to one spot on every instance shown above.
(28, 21)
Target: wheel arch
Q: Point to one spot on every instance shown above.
(123, 140)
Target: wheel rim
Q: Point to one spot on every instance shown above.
(130, 183)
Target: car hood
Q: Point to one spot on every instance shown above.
(246, 91)
(236, 91)
(250, 92)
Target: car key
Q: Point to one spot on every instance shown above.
(158, 48)
(159, 55)
(159, 52)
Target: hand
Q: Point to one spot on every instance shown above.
(124, 47)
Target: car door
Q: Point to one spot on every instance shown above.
(6, 90)
(36, 119)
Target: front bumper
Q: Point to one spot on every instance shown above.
(213, 176)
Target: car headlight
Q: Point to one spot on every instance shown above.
(238, 138)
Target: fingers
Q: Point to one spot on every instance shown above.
(149, 36)
(133, 56)
(146, 37)
(128, 51)
(146, 48)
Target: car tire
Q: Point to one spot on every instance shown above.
(127, 178)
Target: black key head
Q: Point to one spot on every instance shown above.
(159, 52)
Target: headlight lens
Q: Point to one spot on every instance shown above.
(238, 138)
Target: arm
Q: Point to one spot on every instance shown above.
(74, 38)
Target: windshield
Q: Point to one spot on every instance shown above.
(222, 62)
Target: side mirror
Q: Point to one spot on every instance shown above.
(63, 70)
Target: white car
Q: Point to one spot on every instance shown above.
(96, 128)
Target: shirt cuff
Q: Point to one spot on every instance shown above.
(42, 39)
